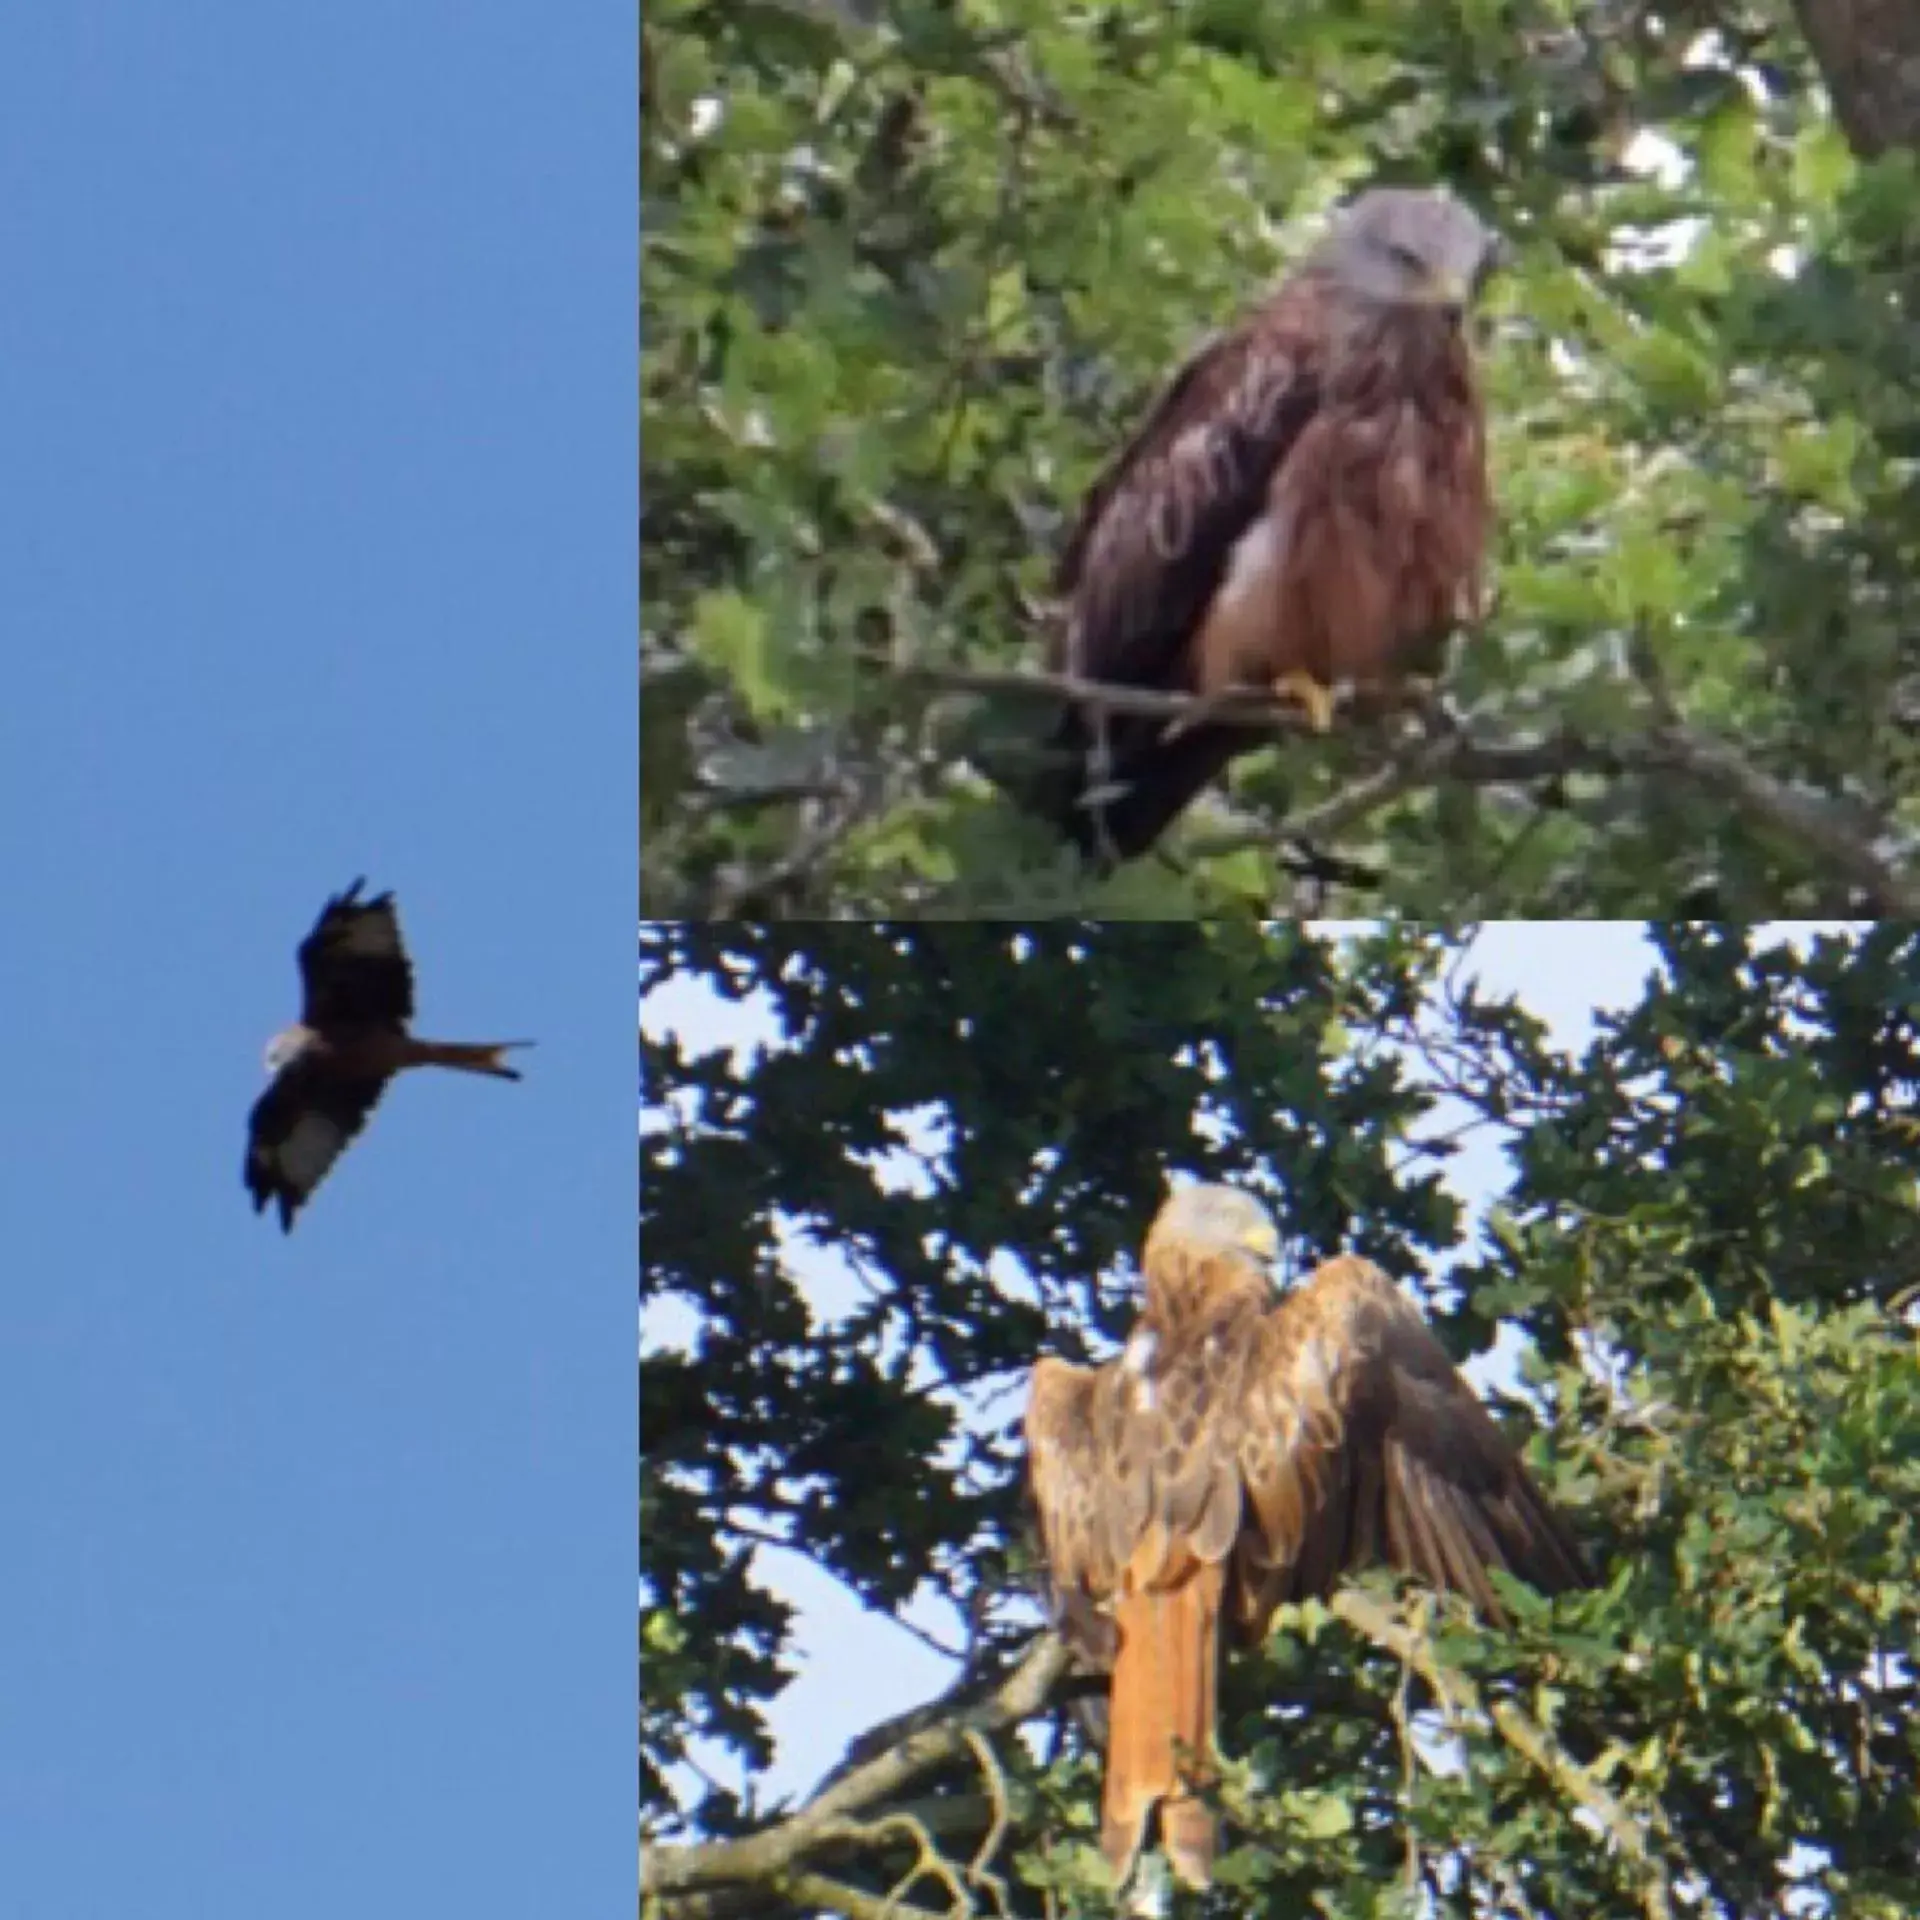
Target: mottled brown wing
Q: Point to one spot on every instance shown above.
(1361, 1442)
(1136, 1465)
(1070, 1474)
(1152, 544)
(1156, 531)
(354, 970)
(298, 1128)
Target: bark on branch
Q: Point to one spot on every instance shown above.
(1869, 55)
(702, 1882)
(1667, 748)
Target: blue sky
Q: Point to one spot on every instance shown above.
(316, 558)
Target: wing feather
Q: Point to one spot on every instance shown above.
(299, 1127)
(1361, 1440)
(1076, 1496)
(354, 970)
(1157, 530)
(1154, 541)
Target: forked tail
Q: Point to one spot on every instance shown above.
(1160, 1739)
(470, 1056)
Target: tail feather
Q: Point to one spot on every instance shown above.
(1156, 778)
(469, 1056)
(1160, 1740)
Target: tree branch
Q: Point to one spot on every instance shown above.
(1667, 748)
(1813, 824)
(676, 1882)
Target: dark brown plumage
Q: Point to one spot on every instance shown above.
(1305, 509)
(331, 1068)
(1241, 1453)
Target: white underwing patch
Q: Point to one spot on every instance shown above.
(309, 1149)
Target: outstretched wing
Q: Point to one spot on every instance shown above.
(299, 1127)
(1359, 1441)
(354, 970)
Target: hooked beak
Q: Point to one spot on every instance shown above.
(1263, 1243)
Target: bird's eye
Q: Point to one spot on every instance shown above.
(1406, 258)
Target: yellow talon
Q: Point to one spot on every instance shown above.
(1318, 700)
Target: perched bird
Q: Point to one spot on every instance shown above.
(1305, 510)
(1242, 1451)
(351, 1039)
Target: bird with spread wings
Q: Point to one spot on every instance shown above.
(333, 1065)
(1241, 1452)
(1304, 511)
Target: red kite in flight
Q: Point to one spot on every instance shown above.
(329, 1070)
(1304, 511)
(1241, 1453)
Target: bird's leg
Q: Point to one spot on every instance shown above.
(1301, 688)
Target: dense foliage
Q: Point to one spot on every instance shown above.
(1708, 1231)
(912, 270)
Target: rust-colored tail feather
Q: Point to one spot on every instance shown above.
(470, 1056)
(1160, 1730)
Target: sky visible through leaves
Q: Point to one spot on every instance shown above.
(858, 1666)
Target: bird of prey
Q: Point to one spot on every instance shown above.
(1245, 1450)
(1305, 511)
(351, 1039)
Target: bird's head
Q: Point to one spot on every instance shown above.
(1223, 1218)
(287, 1046)
(1404, 246)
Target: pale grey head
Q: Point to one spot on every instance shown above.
(1405, 246)
(1222, 1217)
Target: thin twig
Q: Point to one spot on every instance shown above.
(1525, 1735)
(996, 1784)
(813, 1890)
(1256, 710)
(1814, 824)
(765, 1857)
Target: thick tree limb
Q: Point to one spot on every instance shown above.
(676, 1882)
(1869, 56)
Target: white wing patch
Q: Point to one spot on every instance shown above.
(1234, 641)
(309, 1149)
(1137, 1362)
(1252, 564)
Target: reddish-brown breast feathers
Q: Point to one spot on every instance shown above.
(1379, 513)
